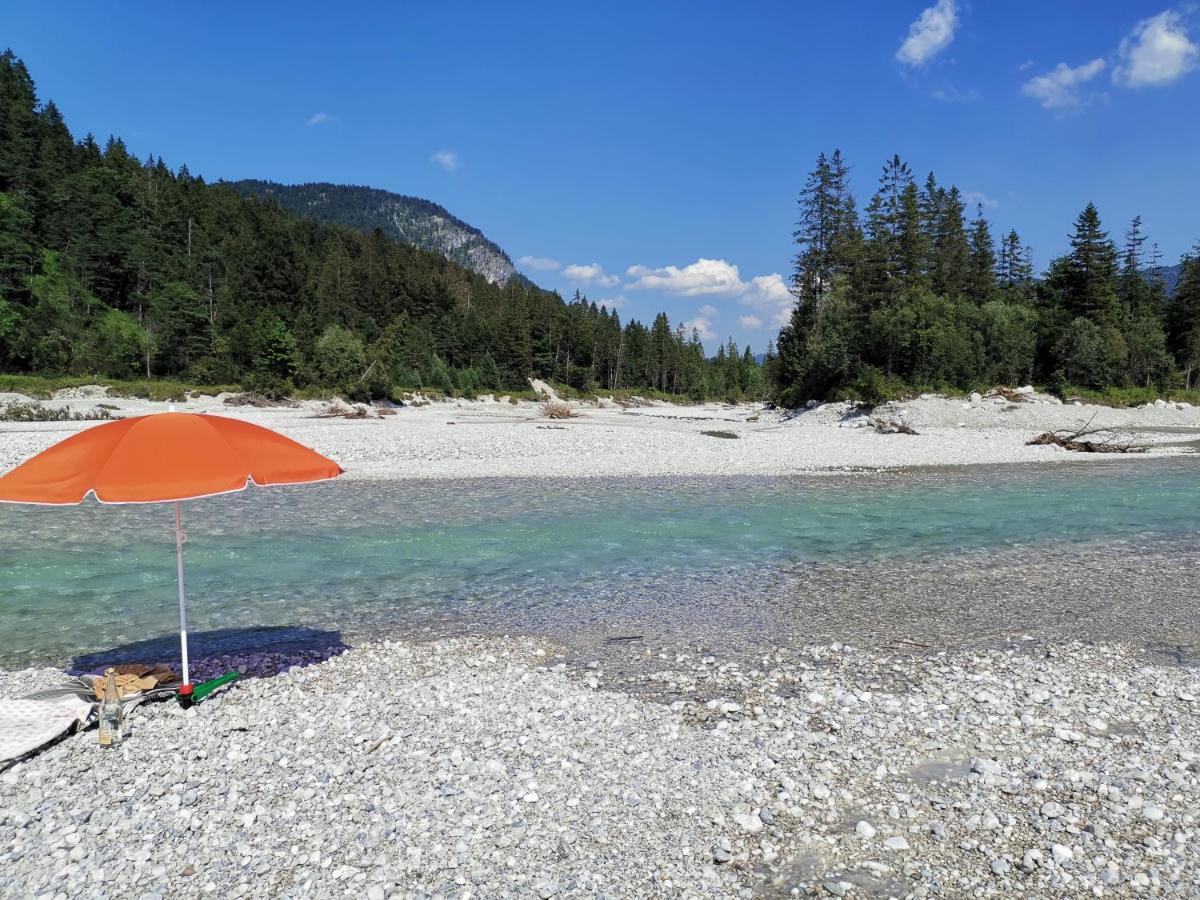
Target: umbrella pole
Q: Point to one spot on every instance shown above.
(180, 537)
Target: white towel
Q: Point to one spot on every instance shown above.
(27, 724)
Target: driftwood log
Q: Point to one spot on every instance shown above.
(1089, 440)
(337, 410)
(892, 426)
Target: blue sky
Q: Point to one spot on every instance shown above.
(651, 153)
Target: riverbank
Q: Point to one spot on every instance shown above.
(497, 439)
(676, 735)
(491, 768)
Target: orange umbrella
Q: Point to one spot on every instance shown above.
(164, 458)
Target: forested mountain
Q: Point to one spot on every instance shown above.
(409, 219)
(1168, 274)
(910, 291)
(119, 267)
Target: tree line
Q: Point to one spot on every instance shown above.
(116, 267)
(908, 291)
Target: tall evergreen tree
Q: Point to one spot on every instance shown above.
(981, 270)
(1183, 317)
(1091, 270)
(1134, 290)
(827, 231)
(950, 268)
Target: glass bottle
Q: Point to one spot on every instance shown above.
(112, 719)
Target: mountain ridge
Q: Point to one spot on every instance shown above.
(412, 220)
(1169, 275)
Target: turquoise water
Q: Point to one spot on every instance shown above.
(363, 556)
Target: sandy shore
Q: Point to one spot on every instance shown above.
(490, 438)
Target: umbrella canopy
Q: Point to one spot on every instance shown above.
(163, 458)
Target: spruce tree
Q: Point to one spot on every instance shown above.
(826, 233)
(893, 253)
(828, 240)
(981, 269)
(1135, 292)
(1090, 288)
(950, 268)
(1183, 317)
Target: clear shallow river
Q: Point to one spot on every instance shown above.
(365, 557)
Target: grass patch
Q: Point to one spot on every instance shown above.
(18, 411)
(1125, 397)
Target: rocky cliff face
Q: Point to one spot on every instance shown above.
(410, 219)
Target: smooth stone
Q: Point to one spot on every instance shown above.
(1062, 853)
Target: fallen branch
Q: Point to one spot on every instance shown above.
(1089, 440)
(338, 410)
(376, 744)
(1007, 393)
(557, 409)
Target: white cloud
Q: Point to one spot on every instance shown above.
(766, 294)
(752, 322)
(703, 277)
(1156, 52)
(930, 34)
(613, 302)
(589, 274)
(319, 119)
(539, 263)
(709, 311)
(1059, 88)
(447, 159)
(979, 198)
(769, 295)
(701, 325)
(954, 95)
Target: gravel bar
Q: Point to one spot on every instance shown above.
(490, 768)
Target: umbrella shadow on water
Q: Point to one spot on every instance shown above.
(260, 651)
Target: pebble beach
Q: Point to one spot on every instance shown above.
(492, 769)
(518, 765)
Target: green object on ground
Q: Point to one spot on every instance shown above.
(204, 688)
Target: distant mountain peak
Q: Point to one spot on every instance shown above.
(414, 221)
(1168, 274)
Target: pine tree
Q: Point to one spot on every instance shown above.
(886, 213)
(826, 233)
(1015, 266)
(1090, 289)
(1135, 292)
(981, 274)
(950, 268)
(1183, 317)
(896, 241)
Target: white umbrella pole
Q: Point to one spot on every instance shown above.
(180, 537)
